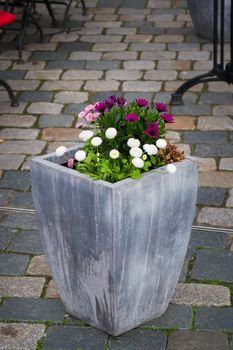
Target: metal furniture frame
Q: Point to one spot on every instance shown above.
(218, 72)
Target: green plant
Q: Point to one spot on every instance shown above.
(127, 140)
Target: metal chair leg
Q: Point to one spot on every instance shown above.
(14, 102)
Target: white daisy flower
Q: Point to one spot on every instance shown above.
(138, 162)
(80, 156)
(60, 151)
(110, 133)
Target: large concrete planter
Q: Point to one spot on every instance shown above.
(115, 250)
(202, 13)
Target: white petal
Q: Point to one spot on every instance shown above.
(60, 151)
(171, 168)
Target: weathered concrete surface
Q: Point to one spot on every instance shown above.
(115, 250)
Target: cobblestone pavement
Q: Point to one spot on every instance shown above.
(136, 48)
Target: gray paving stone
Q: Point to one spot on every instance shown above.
(34, 96)
(131, 96)
(21, 287)
(216, 216)
(210, 196)
(183, 340)
(24, 121)
(73, 337)
(68, 64)
(213, 150)
(45, 108)
(201, 295)
(74, 107)
(48, 120)
(20, 335)
(176, 316)
(11, 161)
(213, 265)
(188, 98)
(183, 46)
(215, 123)
(132, 4)
(16, 180)
(26, 221)
(139, 339)
(212, 137)
(27, 147)
(195, 110)
(27, 309)
(19, 134)
(6, 196)
(226, 164)
(6, 235)
(213, 318)
(208, 239)
(76, 46)
(216, 97)
(13, 264)
(27, 241)
(12, 74)
(102, 65)
(49, 55)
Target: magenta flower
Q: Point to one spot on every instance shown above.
(142, 102)
(79, 124)
(161, 107)
(152, 130)
(100, 106)
(132, 117)
(110, 101)
(70, 163)
(168, 118)
(121, 101)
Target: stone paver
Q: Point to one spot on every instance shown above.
(6, 235)
(11, 161)
(13, 264)
(25, 121)
(31, 309)
(45, 108)
(139, 339)
(217, 265)
(19, 336)
(201, 295)
(27, 241)
(26, 147)
(176, 316)
(51, 291)
(38, 266)
(229, 202)
(214, 318)
(19, 134)
(183, 340)
(216, 216)
(17, 180)
(22, 287)
(72, 337)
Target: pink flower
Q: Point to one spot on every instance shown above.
(152, 130)
(70, 163)
(79, 124)
(96, 115)
(131, 117)
(82, 114)
(89, 108)
(161, 107)
(168, 118)
(90, 117)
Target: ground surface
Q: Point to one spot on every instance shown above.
(139, 49)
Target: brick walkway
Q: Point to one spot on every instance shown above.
(138, 48)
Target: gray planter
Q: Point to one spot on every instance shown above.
(115, 250)
(202, 13)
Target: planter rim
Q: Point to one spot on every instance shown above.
(49, 160)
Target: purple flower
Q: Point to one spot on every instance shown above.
(168, 118)
(132, 117)
(152, 130)
(121, 101)
(161, 107)
(100, 106)
(142, 102)
(110, 101)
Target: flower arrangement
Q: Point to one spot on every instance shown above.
(126, 140)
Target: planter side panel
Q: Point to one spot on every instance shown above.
(75, 224)
(155, 216)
